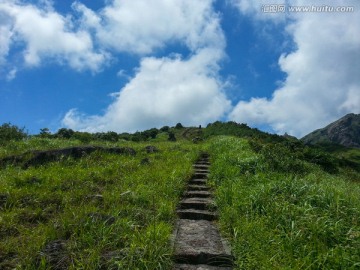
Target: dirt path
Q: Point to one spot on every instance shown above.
(197, 241)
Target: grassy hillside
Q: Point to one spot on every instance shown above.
(282, 205)
(101, 211)
(282, 212)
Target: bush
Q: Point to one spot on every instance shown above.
(10, 132)
(179, 126)
(279, 158)
(172, 137)
(64, 133)
(84, 137)
(165, 128)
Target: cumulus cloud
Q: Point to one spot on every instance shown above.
(167, 89)
(163, 91)
(141, 26)
(323, 81)
(47, 35)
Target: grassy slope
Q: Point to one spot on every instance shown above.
(127, 227)
(279, 210)
(284, 213)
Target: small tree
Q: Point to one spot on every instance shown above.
(45, 133)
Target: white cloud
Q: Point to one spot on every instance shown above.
(163, 91)
(141, 26)
(323, 81)
(11, 75)
(48, 35)
(5, 40)
(260, 10)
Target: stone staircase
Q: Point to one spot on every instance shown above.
(197, 241)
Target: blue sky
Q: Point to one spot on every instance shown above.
(128, 65)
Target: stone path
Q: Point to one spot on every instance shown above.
(197, 241)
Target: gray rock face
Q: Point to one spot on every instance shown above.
(198, 244)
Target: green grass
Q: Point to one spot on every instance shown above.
(278, 217)
(282, 205)
(102, 211)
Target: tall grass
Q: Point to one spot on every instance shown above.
(284, 213)
(103, 211)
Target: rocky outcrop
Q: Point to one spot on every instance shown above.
(36, 157)
(345, 131)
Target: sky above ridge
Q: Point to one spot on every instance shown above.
(129, 65)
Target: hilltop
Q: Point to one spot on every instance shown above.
(345, 131)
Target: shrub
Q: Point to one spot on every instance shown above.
(10, 132)
(165, 128)
(179, 126)
(64, 133)
(172, 137)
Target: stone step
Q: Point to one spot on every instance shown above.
(197, 194)
(199, 267)
(195, 214)
(197, 203)
(197, 181)
(204, 163)
(200, 175)
(202, 171)
(201, 165)
(198, 242)
(197, 188)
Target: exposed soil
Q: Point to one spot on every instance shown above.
(198, 244)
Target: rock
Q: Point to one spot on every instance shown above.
(151, 149)
(197, 140)
(199, 242)
(56, 256)
(145, 161)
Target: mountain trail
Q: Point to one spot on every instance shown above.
(198, 244)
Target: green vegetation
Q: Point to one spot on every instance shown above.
(101, 211)
(10, 132)
(283, 212)
(283, 205)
